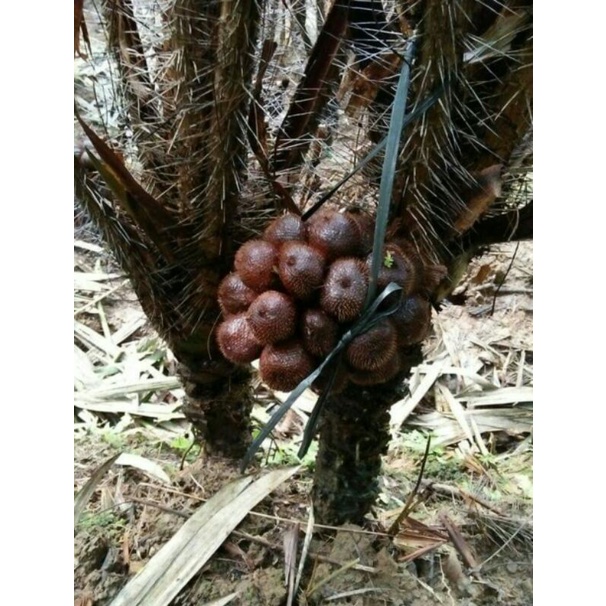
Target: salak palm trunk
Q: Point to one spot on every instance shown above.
(186, 106)
(469, 149)
(227, 134)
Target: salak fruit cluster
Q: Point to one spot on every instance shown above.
(297, 290)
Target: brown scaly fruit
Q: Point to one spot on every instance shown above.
(272, 317)
(301, 269)
(433, 276)
(366, 229)
(255, 262)
(345, 288)
(372, 349)
(388, 370)
(412, 320)
(284, 365)
(285, 228)
(333, 233)
(403, 268)
(320, 332)
(234, 296)
(237, 341)
(430, 274)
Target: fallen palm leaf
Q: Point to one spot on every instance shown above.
(161, 412)
(84, 371)
(446, 430)
(149, 467)
(309, 531)
(81, 276)
(291, 543)
(505, 395)
(90, 286)
(105, 293)
(88, 246)
(107, 333)
(416, 539)
(459, 542)
(466, 373)
(222, 601)
(414, 533)
(92, 339)
(457, 410)
(477, 434)
(120, 389)
(145, 365)
(163, 577)
(132, 371)
(402, 409)
(129, 328)
(87, 490)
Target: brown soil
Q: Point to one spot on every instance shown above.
(112, 544)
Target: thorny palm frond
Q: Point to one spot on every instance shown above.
(184, 67)
(481, 54)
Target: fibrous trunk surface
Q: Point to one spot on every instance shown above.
(183, 94)
(354, 435)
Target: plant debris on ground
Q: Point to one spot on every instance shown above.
(460, 534)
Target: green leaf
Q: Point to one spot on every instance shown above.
(396, 125)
